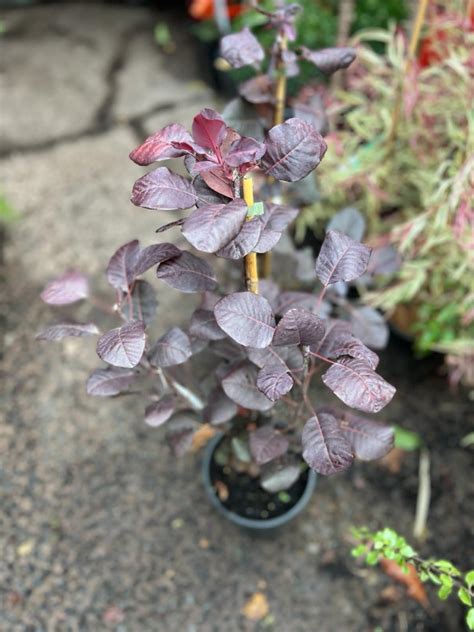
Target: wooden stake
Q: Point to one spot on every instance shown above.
(250, 260)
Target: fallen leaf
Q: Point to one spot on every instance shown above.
(202, 436)
(256, 608)
(393, 460)
(222, 491)
(390, 594)
(113, 615)
(204, 543)
(410, 580)
(26, 548)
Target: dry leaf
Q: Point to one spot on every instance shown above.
(393, 460)
(26, 548)
(202, 436)
(204, 543)
(410, 580)
(256, 608)
(222, 491)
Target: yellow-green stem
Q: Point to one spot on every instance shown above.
(250, 261)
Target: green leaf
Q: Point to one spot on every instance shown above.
(372, 558)
(407, 551)
(470, 579)
(406, 440)
(444, 592)
(359, 550)
(446, 566)
(470, 618)
(465, 597)
(256, 209)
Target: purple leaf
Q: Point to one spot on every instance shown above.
(279, 476)
(314, 113)
(328, 60)
(244, 150)
(349, 222)
(153, 255)
(270, 356)
(241, 49)
(350, 346)
(68, 288)
(197, 344)
(209, 129)
(123, 346)
(275, 220)
(164, 190)
(358, 386)
(337, 333)
(290, 300)
(384, 260)
(274, 381)
(205, 195)
(187, 273)
(174, 347)
(240, 386)
(241, 116)
(209, 228)
(267, 444)
(158, 413)
(257, 90)
(180, 433)
(247, 318)
(298, 327)
(244, 242)
(369, 325)
(109, 382)
(217, 180)
(294, 149)
(204, 325)
(326, 449)
(63, 330)
(369, 439)
(159, 146)
(169, 225)
(121, 268)
(341, 259)
(141, 304)
(220, 408)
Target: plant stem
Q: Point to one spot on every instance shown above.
(424, 495)
(415, 36)
(250, 260)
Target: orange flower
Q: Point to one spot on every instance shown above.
(204, 9)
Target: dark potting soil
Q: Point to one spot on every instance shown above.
(249, 500)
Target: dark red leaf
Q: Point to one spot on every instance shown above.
(267, 444)
(244, 150)
(241, 49)
(68, 288)
(341, 259)
(209, 129)
(240, 386)
(349, 221)
(209, 228)
(205, 195)
(326, 449)
(299, 327)
(350, 346)
(279, 475)
(217, 180)
(244, 118)
(159, 146)
(157, 413)
(63, 330)
(220, 408)
(257, 90)
(174, 347)
(384, 260)
(164, 190)
(314, 113)
(247, 318)
(141, 304)
(123, 346)
(204, 325)
(328, 60)
(109, 382)
(120, 270)
(294, 149)
(180, 432)
(369, 439)
(153, 255)
(369, 325)
(244, 242)
(358, 386)
(275, 220)
(336, 334)
(187, 273)
(274, 381)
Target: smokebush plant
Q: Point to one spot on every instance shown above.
(265, 345)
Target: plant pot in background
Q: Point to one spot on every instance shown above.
(246, 488)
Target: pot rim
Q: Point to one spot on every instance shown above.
(242, 521)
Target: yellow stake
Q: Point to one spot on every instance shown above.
(250, 260)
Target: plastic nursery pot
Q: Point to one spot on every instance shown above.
(305, 487)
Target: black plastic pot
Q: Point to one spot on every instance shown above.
(242, 521)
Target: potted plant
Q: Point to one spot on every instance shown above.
(256, 347)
